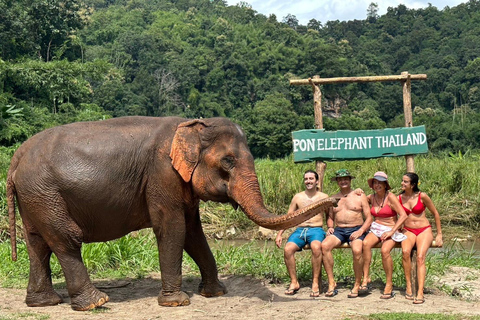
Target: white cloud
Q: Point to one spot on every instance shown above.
(328, 10)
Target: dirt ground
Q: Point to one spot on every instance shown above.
(248, 299)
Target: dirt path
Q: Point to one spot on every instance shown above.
(247, 299)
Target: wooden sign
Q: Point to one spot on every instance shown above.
(310, 145)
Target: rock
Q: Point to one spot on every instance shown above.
(456, 292)
(265, 233)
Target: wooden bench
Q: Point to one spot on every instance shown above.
(413, 257)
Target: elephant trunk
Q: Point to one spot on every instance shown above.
(247, 194)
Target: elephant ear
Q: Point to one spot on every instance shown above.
(186, 145)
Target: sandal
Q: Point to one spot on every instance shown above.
(419, 301)
(363, 289)
(409, 296)
(387, 295)
(291, 292)
(331, 293)
(352, 294)
(315, 294)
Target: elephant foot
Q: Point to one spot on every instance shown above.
(92, 300)
(173, 299)
(214, 289)
(43, 299)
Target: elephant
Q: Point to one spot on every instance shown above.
(97, 181)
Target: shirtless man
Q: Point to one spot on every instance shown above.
(351, 227)
(309, 232)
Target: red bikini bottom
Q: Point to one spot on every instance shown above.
(417, 231)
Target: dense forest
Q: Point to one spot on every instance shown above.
(78, 60)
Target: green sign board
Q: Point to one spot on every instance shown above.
(310, 145)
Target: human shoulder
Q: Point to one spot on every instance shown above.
(392, 197)
(338, 195)
(424, 197)
(321, 195)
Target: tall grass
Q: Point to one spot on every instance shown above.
(451, 181)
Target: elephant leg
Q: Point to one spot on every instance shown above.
(197, 247)
(40, 291)
(170, 240)
(83, 294)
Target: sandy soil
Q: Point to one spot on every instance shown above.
(247, 299)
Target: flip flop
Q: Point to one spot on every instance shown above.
(409, 296)
(315, 294)
(291, 292)
(419, 301)
(387, 295)
(331, 293)
(363, 289)
(352, 295)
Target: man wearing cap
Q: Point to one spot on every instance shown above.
(352, 220)
(309, 232)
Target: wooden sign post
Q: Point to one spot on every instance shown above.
(405, 78)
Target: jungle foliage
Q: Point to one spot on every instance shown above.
(64, 61)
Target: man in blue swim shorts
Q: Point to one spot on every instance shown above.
(309, 232)
(352, 221)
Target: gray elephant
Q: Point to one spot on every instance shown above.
(97, 181)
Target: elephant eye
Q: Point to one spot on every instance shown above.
(228, 162)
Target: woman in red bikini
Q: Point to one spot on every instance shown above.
(389, 217)
(418, 230)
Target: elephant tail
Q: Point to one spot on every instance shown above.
(11, 192)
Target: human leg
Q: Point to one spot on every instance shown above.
(369, 241)
(387, 262)
(328, 244)
(357, 246)
(289, 258)
(423, 241)
(316, 248)
(407, 246)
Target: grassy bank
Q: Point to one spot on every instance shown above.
(136, 255)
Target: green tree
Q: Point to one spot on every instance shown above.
(269, 126)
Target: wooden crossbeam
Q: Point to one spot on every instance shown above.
(317, 80)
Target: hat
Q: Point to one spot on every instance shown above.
(379, 176)
(342, 173)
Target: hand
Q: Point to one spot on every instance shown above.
(278, 240)
(358, 191)
(387, 235)
(330, 231)
(439, 240)
(356, 234)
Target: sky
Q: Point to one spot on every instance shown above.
(328, 10)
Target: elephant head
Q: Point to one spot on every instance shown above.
(213, 155)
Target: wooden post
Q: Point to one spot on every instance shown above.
(407, 111)
(320, 166)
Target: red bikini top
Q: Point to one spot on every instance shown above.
(385, 212)
(417, 209)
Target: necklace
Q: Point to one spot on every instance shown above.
(346, 194)
(377, 202)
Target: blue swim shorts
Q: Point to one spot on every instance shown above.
(303, 235)
(343, 234)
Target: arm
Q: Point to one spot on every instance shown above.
(366, 214)
(278, 239)
(330, 221)
(431, 207)
(367, 222)
(397, 207)
(293, 206)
